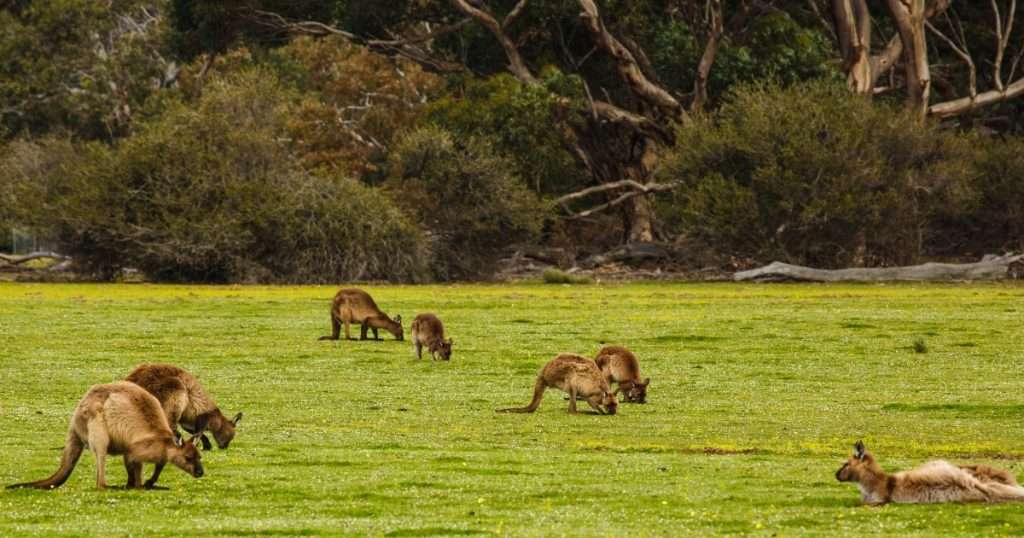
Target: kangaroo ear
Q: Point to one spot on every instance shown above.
(859, 449)
(646, 382)
(451, 341)
(236, 419)
(196, 440)
(178, 441)
(398, 319)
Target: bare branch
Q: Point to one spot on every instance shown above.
(514, 14)
(963, 54)
(408, 47)
(639, 123)
(964, 104)
(707, 59)
(638, 188)
(517, 65)
(627, 64)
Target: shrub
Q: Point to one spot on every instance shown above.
(809, 174)
(208, 192)
(518, 120)
(996, 223)
(467, 196)
(557, 276)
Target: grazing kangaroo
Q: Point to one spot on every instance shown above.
(934, 482)
(185, 402)
(427, 330)
(352, 305)
(619, 365)
(577, 375)
(122, 418)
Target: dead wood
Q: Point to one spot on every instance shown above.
(991, 267)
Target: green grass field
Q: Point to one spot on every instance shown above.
(758, 393)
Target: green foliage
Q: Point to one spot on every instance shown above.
(467, 195)
(812, 175)
(519, 120)
(208, 192)
(773, 48)
(557, 276)
(78, 66)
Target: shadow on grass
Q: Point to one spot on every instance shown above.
(686, 338)
(958, 410)
(435, 531)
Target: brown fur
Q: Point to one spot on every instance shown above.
(352, 305)
(427, 330)
(185, 402)
(577, 375)
(122, 418)
(934, 482)
(619, 365)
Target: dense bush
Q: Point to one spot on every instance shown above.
(208, 191)
(996, 222)
(467, 196)
(518, 120)
(810, 174)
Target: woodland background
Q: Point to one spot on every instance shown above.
(414, 140)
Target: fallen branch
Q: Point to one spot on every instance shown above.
(989, 268)
(18, 260)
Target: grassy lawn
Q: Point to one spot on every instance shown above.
(757, 394)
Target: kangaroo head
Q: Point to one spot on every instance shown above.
(186, 455)
(860, 465)
(399, 333)
(443, 348)
(223, 429)
(638, 392)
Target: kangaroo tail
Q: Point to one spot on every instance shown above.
(538, 394)
(72, 451)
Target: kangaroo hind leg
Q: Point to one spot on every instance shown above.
(98, 442)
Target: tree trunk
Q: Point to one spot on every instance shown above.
(989, 268)
(910, 18)
(639, 220)
(853, 31)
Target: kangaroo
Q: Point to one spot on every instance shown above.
(934, 482)
(577, 375)
(122, 418)
(185, 402)
(352, 305)
(619, 365)
(427, 330)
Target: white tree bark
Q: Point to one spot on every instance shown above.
(989, 268)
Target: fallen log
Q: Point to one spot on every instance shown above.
(630, 253)
(991, 267)
(18, 260)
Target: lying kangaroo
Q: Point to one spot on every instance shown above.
(577, 375)
(934, 482)
(353, 305)
(185, 402)
(427, 330)
(122, 418)
(619, 365)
